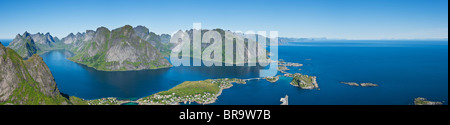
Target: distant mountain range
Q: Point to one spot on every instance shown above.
(122, 49)
(284, 40)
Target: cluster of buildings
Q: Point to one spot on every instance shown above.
(174, 100)
(104, 101)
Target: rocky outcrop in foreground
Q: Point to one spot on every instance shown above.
(424, 101)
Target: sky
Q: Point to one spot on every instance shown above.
(333, 19)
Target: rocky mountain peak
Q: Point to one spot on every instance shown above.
(127, 27)
(18, 36)
(27, 82)
(122, 32)
(165, 38)
(79, 34)
(90, 32)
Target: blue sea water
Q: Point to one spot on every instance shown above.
(5, 42)
(403, 69)
(85, 82)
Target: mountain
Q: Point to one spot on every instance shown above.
(126, 48)
(43, 39)
(239, 41)
(27, 82)
(165, 38)
(121, 49)
(285, 40)
(24, 45)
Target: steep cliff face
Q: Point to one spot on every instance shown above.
(117, 50)
(26, 82)
(39, 71)
(8, 77)
(69, 39)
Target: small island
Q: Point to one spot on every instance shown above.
(283, 65)
(360, 85)
(424, 101)
(272, 79)
(303, 81)
(368, 85)
(292, 64)
(283, 69)
(281, 62)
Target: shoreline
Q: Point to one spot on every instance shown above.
(47, 51)
(224, 83)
